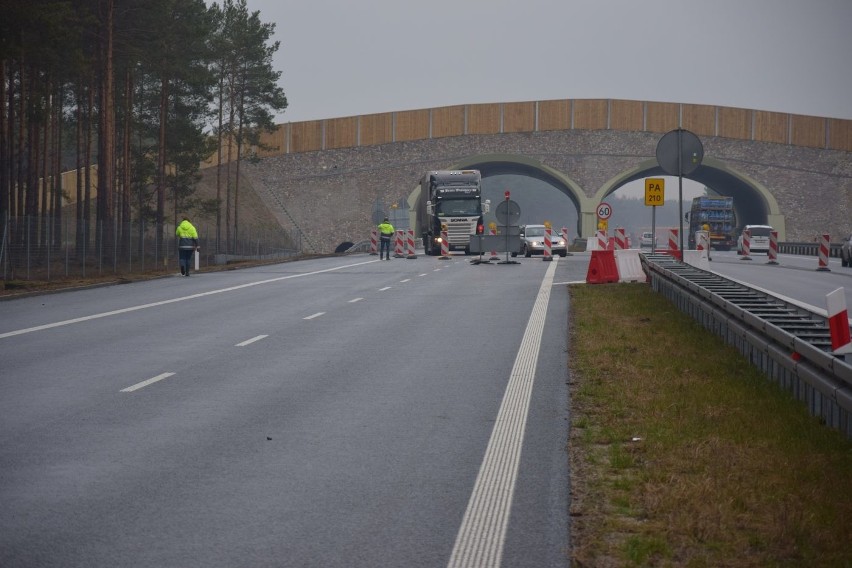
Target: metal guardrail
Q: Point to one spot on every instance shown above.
(808, 249)
(791, 345)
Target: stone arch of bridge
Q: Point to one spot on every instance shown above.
(753, 202)
(498, 164)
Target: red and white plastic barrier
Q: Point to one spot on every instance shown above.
(629, 266)
(772, 253)
(746, 247)
(445, 245)
(547, 253)
(409, 242)
(374, 241)
(824, 248)
(838, 322)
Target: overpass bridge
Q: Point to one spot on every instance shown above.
(324, 177)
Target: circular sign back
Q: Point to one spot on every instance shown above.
(684, 144)
(508, 212)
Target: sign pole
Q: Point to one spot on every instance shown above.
(680, 187)
(670, 155)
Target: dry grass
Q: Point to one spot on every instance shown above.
(682, 454)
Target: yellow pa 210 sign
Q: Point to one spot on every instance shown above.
(655, 191)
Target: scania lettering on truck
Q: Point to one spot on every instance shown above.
(451, 199)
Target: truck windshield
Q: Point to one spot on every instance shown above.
(460, 207)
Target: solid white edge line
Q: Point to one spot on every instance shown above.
(482, 533)
(172, 301)
(150, 381)
(250, 341)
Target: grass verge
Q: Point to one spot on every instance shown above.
(683, 454)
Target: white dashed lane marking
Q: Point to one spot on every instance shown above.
(150, 381)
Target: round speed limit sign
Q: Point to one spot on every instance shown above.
(604, 211)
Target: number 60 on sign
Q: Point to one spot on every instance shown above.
(655, 191)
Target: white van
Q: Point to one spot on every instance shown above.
(759, 241)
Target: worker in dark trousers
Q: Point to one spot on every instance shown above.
(385, 236)
(187, 244)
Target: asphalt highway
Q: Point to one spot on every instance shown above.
(331, 412)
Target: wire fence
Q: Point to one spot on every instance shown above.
(41, 248)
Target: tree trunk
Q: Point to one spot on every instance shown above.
(4, 148)
(161, 163)
(126, 159)
(106, 146)
(79, 232)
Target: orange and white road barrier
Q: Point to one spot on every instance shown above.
(445, 245)
(772, 253)
(409, 243)
(746, 247)
(494, 256)
(620, 239)
(565, 238)
(674, 246)
(702, 242)
(824, 248)
(547, 253)
(838, 322)
(374, 241)
(398, 243)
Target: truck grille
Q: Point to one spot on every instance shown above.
(459, 232)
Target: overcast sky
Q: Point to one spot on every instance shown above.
(345, 58)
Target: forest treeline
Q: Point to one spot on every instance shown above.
(143, 89)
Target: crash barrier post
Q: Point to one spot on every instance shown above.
(374, 241)
(746, 246)
(547, 253)
(620, 239)
(602, 267)
(410, 243)
(445, 245)
(398, 243)
(629, 266)
(824, 248)
(838, 322)
(772, 253)
(494, 256)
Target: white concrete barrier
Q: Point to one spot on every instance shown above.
(697, 258)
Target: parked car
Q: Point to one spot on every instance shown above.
(759, 241)
(646, 241)
(846, 251)
(532, 241)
